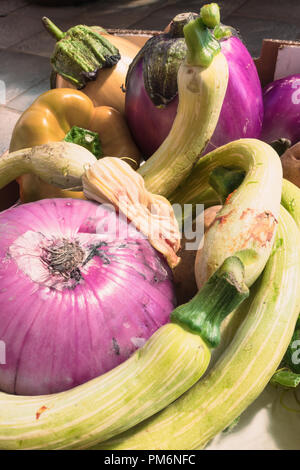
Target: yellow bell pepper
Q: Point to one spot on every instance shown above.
(51, 117)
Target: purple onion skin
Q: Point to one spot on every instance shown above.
(282, 110)
(60, 336)
(241, 115)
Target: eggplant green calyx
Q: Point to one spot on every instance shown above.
(161, 57)
(210, 15)
(223, 292)
(201, 44)
(80, 53)
(225, 180)
(87, 139)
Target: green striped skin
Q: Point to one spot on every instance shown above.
(248, 219)
(146, 383)
(290, 199)
(246, 366)
(199, 89)
(258, 159)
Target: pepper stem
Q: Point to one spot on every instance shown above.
(210, 15)
(223, 292)
(52, 29)
(87, 139)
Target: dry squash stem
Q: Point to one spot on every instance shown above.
(60, 163)
(243, 370)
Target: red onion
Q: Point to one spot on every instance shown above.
(76, 299)
(282, 110)
(150, 120)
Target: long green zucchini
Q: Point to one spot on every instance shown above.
(202, 83)
(258, 159)
(173, 359)
(243, 370)
(248, 220)
(60, 163)
(290, 199)
(101, 408)
(152, 378)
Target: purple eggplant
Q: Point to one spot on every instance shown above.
(151, 90)
(282, 110)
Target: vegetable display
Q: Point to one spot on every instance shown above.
(244, 369)
(80, 62)
(51, 117)
(151, 89)
(222, 293)
(100, 351)
(152, 378)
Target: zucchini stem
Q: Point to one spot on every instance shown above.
(210, 15)
(201, 44)
(222, 293)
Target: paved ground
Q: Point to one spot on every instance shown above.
(25, 47)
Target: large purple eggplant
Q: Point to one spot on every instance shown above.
(151, 89)
(282, 110)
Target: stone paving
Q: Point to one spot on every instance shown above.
(25, 47)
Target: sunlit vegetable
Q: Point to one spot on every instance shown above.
(51, 118)
(80, 291)
(281, 100)
(151, 89)
(78, 63)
